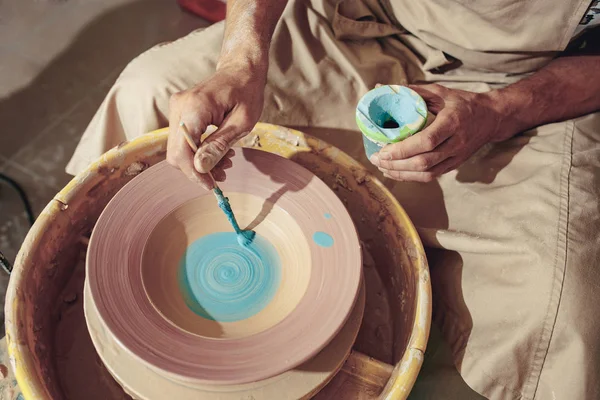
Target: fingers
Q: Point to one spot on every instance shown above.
(219, 175)
(421, 157)
(218, 172)
(185, 163)
(226, 162)
(181, 155)
(235, 126)
(179, 152)
(422, 176)
(422, 162)
(185, 110)
(423, 142)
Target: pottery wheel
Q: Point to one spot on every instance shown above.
(172, 287)
(301, 382)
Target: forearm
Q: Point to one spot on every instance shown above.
(567, 88)
(248, 30)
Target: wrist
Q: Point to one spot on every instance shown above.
(513, 108)
(250, 62)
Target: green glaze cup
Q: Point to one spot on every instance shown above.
(389, 114)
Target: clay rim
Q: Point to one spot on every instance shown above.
(187, 368)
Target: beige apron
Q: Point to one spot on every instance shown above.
(513, 235)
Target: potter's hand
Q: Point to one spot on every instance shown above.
(464, 122)
(231, 99)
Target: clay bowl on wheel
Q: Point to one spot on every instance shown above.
(172, 284)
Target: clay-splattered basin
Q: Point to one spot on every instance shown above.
(46, 286)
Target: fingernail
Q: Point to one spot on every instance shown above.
(374, 159)
(208, 156)
(205, 163)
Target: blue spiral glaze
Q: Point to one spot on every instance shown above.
(222, 281)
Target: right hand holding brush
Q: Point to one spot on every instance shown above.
(231, 99)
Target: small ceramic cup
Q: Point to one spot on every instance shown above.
(389, 114)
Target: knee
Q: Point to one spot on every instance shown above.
(146, 78)
(142, 91)
(141, 95)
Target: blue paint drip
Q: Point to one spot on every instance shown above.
(224, 282)
(323, 239)
(244, 238)
(327, 216)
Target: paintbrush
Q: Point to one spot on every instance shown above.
(244, 237)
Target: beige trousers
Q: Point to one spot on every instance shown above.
(513, 235)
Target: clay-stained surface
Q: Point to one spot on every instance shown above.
(81, 372)
(361, 378)
(9, 389)
(376, 336)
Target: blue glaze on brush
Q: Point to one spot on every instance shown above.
(323, 239)
(244, 238)
(327, 216)
(224, 282)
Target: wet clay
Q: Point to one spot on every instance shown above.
(81, 372)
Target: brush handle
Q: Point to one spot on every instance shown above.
(194, 147)
(244, 237)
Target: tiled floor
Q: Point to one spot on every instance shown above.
(58, 58)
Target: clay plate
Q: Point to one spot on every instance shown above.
(134, 250)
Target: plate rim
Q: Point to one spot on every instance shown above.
(194, 377)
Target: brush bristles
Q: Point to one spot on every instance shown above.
(245, 238)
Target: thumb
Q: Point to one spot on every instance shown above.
(216, 145)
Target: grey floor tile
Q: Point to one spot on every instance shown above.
(74, 56)
(16, 72)
(21, 18)
(46, 157)
(14, 223)
(96, 34)
(13, 219)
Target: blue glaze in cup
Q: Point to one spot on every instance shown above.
(389, 114)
